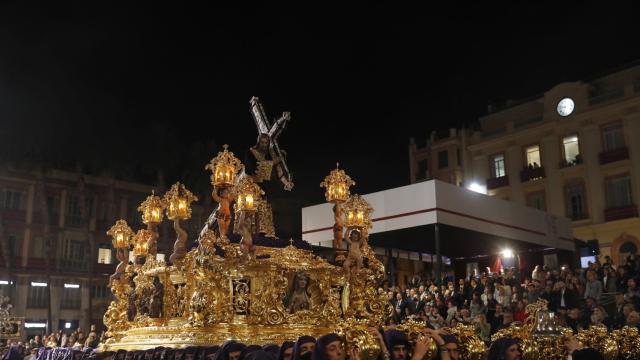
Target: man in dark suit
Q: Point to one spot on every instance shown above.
(563, 297)
(619, 317)
(399, 305)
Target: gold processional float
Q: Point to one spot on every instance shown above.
(220, 290)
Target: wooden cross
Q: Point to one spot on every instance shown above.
(274, 130)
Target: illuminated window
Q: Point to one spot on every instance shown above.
(533, 156)
(571, 149)
(498, 166)
(104, 256)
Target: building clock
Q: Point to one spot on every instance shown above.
(565, 107)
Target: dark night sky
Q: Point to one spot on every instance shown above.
(109, 86)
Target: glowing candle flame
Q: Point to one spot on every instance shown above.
(120, 239)
(249, 201)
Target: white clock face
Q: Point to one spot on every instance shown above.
(565, 107)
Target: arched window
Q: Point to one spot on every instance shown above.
(628, 247)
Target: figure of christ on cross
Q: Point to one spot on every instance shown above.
(260, 162)
(267, 148)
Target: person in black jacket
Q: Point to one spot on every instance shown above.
(618, 314)
(577, 352)
(563, 297)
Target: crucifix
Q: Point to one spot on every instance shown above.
(274, 130)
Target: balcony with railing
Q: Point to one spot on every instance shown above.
(18, 215)
(620, 212)
(579, 215)
(38, 218)
(14, 261)
(498, 182)
(38, 264)
(75, 221)
(614, 155)
(565, 163)
(532, 173)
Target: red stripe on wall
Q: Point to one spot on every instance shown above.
(447, 211)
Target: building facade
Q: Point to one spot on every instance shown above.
(571, 152)
(55, 255)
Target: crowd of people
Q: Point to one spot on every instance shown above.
(76, 340)
(603, 294)
(393, 345)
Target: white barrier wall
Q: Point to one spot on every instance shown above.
(473, 211)
(434, 201)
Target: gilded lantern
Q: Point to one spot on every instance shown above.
(178, 200)
(337, 185)
(357, 212)
(224, 168)
(248, 194)
(152, 209)
(140, 242)
(121, 235)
